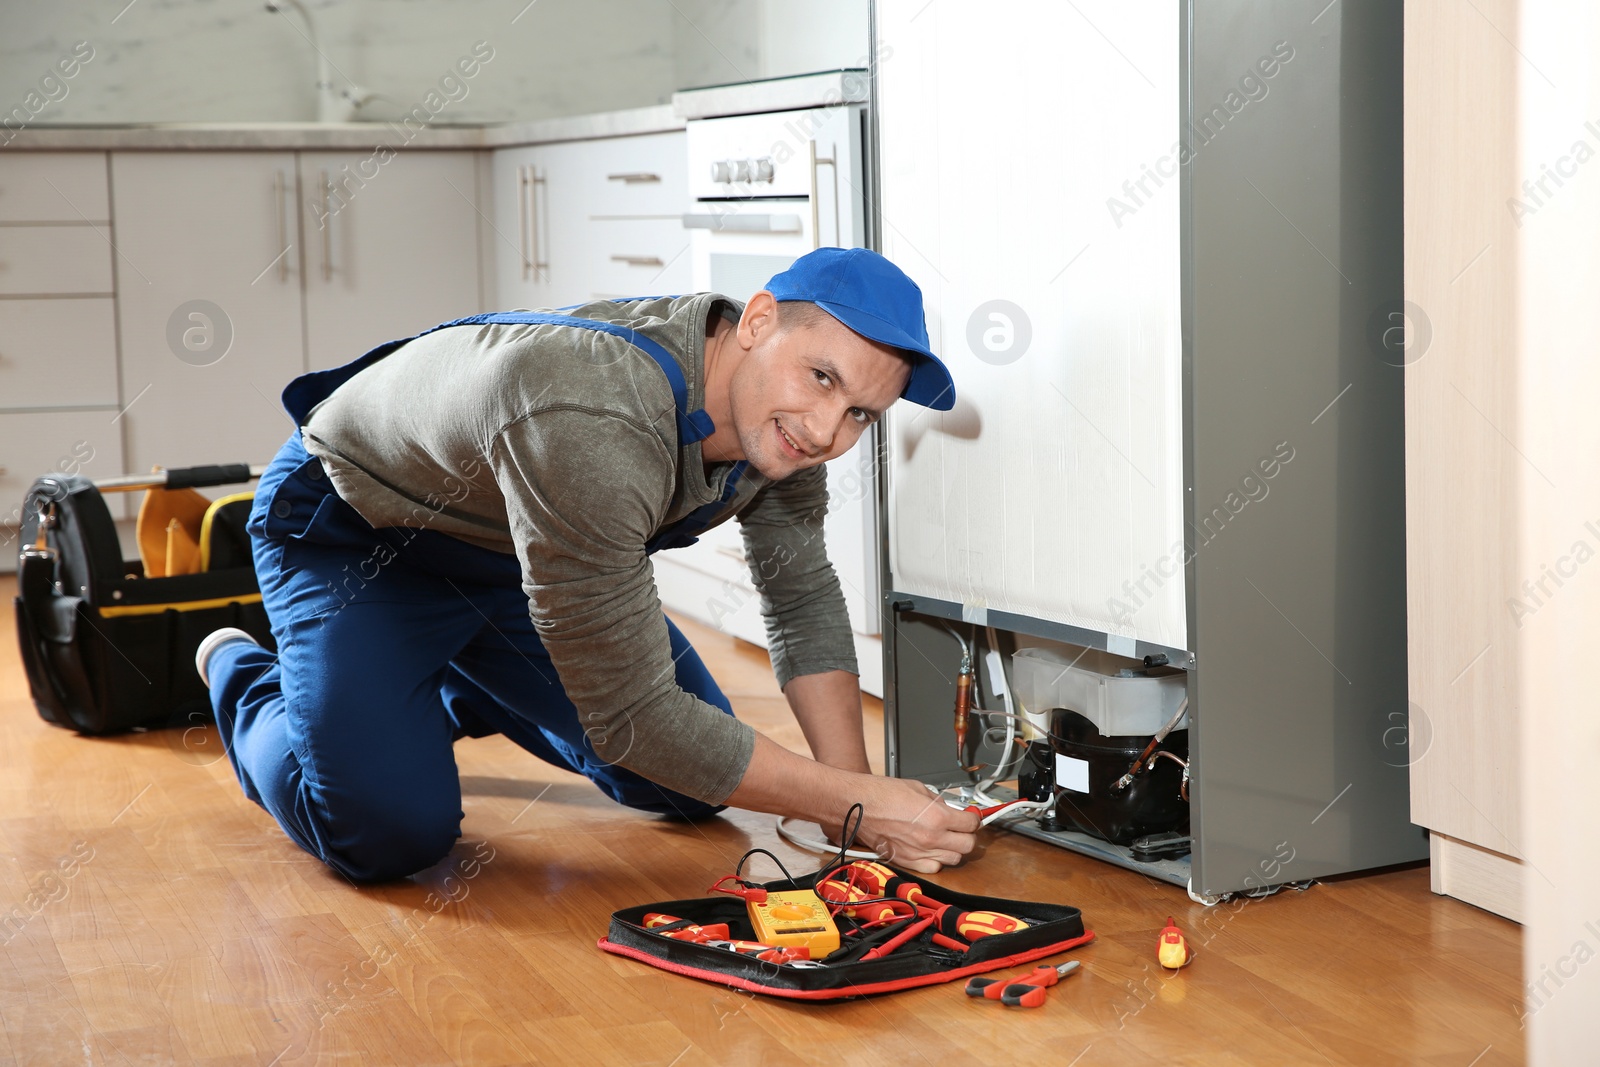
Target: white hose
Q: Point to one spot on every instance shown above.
(1010, 712)
(816, 844)
(966, 649)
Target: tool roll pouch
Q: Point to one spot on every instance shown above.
(106, 648)
(1052, 928)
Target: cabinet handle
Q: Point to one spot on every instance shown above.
(278, 188)
(535, 180)
(522, 219)
(633, 178)
(831, 161)
(639, 261)
(327, 229)
(743, 223)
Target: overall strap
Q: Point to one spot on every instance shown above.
(687, 530)
(692, 425)
(308, 390)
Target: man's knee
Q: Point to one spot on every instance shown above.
(394, 841)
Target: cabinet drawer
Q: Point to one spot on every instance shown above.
(53, 187)
(639, 258)
(54, 259)
(719, 555)
(734, 609)
(57, 353)
(68, 442)
(633, 176)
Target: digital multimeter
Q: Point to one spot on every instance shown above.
(796, 918)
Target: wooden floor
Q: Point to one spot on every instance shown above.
(156, 916)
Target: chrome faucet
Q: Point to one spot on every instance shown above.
(333, 104)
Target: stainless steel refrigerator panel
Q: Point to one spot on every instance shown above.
(1296, 510)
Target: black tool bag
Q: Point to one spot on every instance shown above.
(106, 648)
(1052, 929)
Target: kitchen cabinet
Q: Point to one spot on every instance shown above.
(304, 261)
(522, 275)
(60, 187)
(710, 581)
(153, 304)
(58, 352)
(583, 220)
(390, 247)
(65, 258)
(1466, 480)
(209, 303)
(58, 370)
(52, 442)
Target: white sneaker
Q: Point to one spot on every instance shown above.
(214, 641)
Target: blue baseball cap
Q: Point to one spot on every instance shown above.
(875, 299)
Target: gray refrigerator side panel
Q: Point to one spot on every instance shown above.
(1293, 268)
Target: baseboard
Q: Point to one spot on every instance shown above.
(1476, 875)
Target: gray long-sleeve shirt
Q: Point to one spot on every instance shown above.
(560, 444)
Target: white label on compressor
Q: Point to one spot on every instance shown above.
(1072, 773)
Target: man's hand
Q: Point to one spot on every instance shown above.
(901, 820)
(910, 827)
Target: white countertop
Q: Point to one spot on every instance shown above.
(824, 89)
(344, 135)
(775, 94)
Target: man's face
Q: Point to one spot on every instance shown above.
(804, 394)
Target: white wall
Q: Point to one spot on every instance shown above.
(720, 41)
(1558, 103)
(232, 61)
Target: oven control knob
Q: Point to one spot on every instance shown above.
(761, 170)
(741, 170)
(721, 171)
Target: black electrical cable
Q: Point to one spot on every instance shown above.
(847, 833)
(739, 867)
(849, 952)
(847, 837)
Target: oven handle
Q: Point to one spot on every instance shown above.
(833, 163)
(743, 223)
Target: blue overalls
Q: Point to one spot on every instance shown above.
(393, 643)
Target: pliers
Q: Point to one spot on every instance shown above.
(1028, 991)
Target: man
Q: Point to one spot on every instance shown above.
(456, 544)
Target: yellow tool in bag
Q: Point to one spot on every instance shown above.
(178, 528)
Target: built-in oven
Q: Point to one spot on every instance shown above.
(769, 188)
(766, 189)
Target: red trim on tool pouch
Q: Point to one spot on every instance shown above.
(937, 977)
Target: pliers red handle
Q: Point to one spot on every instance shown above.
(1028, 991)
